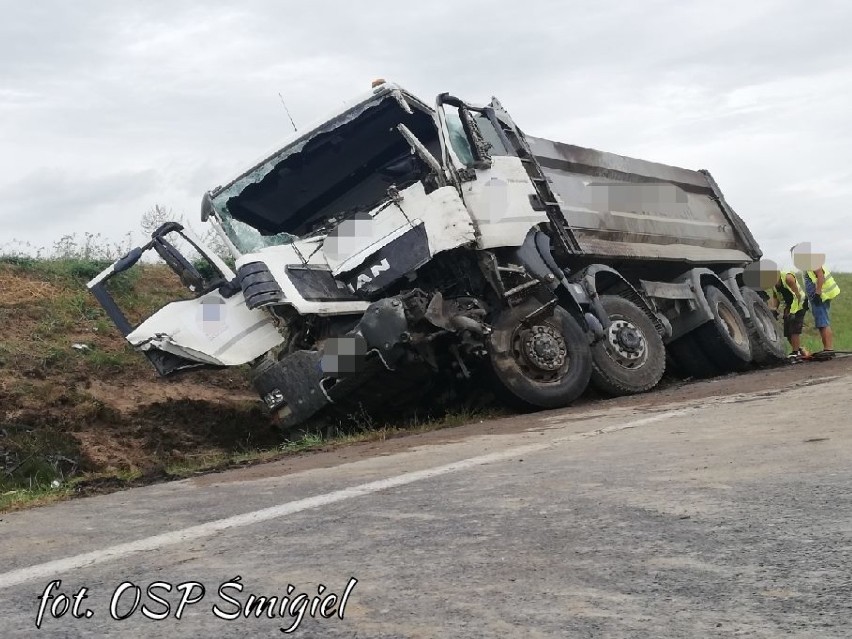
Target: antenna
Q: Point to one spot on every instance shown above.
(288, 112)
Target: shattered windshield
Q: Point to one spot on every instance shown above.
(248, 239)
(344, 167)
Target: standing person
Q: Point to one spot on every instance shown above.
(821, 288)
(788, 293)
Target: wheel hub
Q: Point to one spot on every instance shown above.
(626, 340)
(544, 347)
(629, 338)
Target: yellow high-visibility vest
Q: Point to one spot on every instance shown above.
(798, 300)
(830, 289)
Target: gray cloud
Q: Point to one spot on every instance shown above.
(118, 107)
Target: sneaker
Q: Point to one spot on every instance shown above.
(826, 354)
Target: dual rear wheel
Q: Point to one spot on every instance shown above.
(543, 359)
(631, 358)
(728, 343)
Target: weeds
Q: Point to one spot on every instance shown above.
(18, 498)
(34, 461)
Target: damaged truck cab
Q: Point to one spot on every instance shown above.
(396, 242)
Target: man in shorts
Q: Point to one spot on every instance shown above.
(788, 293)
(821, 288)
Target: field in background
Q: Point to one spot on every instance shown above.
(841, 319)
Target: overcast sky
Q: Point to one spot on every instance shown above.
(108, 108)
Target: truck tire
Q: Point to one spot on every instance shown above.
(767, 341)
(725, 338)
(543, 363)
(690, 359)
(631, 358)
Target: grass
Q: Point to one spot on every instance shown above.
(314, 441)
(45, 310)
(37, 465)
(50, 485)
(841, 319)
(48, 309)
(19, 498)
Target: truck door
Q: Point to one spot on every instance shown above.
(500, 180)
(212, 327)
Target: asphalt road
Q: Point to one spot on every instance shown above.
(719, 517)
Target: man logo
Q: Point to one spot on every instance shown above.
(364, 278)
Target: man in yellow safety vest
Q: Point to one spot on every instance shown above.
(788, 293)
(821, 288)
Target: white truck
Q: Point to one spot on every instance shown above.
(395, 242)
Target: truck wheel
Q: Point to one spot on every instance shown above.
(767, 342)
(631, 358)
(724, 339)
(690, 359)
(541, 363)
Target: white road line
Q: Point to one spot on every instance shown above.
(59, 566)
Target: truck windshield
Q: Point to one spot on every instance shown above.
(345, 167)
(248, 239)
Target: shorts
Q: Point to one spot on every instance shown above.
(794, 323)
(820, 311)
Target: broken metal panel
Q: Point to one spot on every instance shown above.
(443, 214)
(625, 207)
(353, 240)
(210, 329)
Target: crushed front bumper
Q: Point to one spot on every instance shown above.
(301, 384)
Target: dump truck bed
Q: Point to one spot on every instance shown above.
(626, 208)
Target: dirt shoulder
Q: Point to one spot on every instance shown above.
(772, 381)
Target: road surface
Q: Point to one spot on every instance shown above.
(725, 516)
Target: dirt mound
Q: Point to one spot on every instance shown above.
(20, 290)
(50, 433)
(76, 401)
